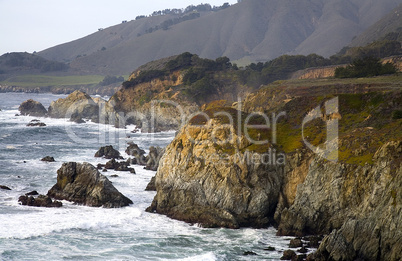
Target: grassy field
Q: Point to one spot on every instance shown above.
(45, 80)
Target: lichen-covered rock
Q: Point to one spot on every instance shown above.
(83, 184)
(214, 182)
(77, 105)
(32, 108)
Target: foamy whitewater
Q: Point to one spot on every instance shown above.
(85, 233)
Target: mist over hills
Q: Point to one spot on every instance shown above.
(252, 30)
(389, 23)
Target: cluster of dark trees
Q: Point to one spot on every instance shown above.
(111, 79)
(364, 62)
(168, 23)
(198, 69)
(366, 67)
(31, 61)
(188, 9)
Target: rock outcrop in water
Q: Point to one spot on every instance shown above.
(83, 184)
(223, 185)
(39, 201)
(36, 123)
(32, 108)
(108, 152)
(77, 105)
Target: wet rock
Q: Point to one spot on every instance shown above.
(32, 108)
(151, 185)
(32, 193)
(153, 158)
(294, 243)
(36, 123)
(4, 187)
(288, 255)
(83, 184)
(48, 159)
(270, 248)
(40, 201)
(313, 241)
(76, 118)
(118, 166)
(302, 250)
(249, 253)
(108, 152)
(114, 176)
(137, 152)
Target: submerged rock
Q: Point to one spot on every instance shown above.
(48, 159)
(4, 187)
(36, 123)
(83, 184)
(40, 201)
(32, 108)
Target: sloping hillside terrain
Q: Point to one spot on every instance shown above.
(253, 30)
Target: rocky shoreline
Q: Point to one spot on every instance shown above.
(213, 175)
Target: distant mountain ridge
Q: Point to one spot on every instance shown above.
(252, 30)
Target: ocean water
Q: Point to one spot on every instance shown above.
(84, 233)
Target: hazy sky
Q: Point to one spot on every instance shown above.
(34, 25)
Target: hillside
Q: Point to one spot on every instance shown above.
(253, 30)
(18, 63)
(388, 24)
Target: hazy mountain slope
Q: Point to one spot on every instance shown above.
(259, 30)
(108, 37)
(387, 24)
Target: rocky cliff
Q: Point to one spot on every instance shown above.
(351, 194)
(207, 175)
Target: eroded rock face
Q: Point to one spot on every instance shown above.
(32, 108)
(83, 184)
(77, 105)
(200, 181)
(360, 207)
(154, 156)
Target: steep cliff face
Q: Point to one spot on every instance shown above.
(353, 197)
(371, 227)
(210, 175)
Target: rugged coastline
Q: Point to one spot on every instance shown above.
(301, 195)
